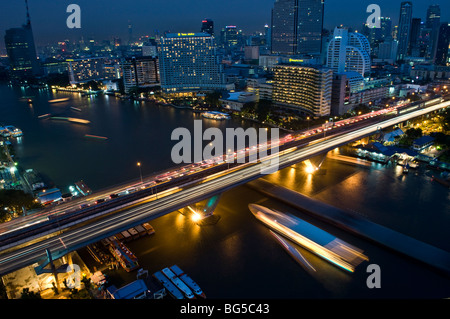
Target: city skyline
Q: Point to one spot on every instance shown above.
(49, 19)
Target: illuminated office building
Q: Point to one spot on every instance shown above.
(297, 27)
(19, 43)
(207, 26)
(404, 29)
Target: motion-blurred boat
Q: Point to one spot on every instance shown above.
(316, 240)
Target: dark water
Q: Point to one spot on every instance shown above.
(136, 132)
(237, 257)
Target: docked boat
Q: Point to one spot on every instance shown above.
(14, 131)
(170, 287)
(123, 255)
(316, 240)
(188, 281)
(214, 115)
(4, 131)
(178, 283)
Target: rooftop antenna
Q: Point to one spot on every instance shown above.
(28, 13)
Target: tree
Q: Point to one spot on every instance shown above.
(414, 133)
(14, 200)
(91, 85)
(212, 98)
(263, 110)
(248, 109)
(27, 294)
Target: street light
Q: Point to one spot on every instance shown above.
(140, 172)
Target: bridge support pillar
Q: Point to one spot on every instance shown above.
(53, 269)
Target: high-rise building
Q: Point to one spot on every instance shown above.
(268, 36)
(388, 50)
(207, 26)
(304, 89)
(231, 36)
(85, 69)
(344, 85)
(433, 23)
(385, 28)
(21, 51)
(443, 44)
(297, 27)
(404, 29)
(140, 72)
(414, 38)
(189, 62)
(348, 52)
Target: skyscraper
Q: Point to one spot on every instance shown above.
(188, 62)
(348, 52)
(21, 51)
(414, 38)
(443, 43)
(207, 26)
(297, 26)
(404, 29)
(433, 23)
(385, 28)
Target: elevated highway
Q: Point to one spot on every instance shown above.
(75, 231)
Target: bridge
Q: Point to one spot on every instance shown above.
(66, 231)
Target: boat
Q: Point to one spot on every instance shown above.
(59, 100)
(123, 255)
(188, 281)
(178, 283)
(95, 137)
(70, 119)
(14, 131)
(314, 239)
(4, 131)
(441, 181)
(83, 188)
(149, 228)
(216, 115)
(170, 287)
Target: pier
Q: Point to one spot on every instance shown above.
(432, 256)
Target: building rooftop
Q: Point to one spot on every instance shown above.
(423, 140)
(130, 291)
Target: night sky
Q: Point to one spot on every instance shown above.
(103, 19)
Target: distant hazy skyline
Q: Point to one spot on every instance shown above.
(104, 19)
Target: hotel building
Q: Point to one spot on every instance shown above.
(303, 88)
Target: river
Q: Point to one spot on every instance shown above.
(236, 257)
